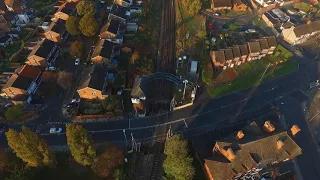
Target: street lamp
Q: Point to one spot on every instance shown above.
(184, 89)
(125, 137)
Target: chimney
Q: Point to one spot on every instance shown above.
(280, 144)
(240, 135)
(230, 154)
(268, 126)
(295, 130)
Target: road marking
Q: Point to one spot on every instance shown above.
(185, 123)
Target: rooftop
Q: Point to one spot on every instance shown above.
(222, 3)
(43, 48)
(111, 26)
(140, 87)
(236, 51)
(104, 48)
(271, 41)
(264, 44)
(58, 26)
(23, 78)
(244, 50)
(307, 28)
(93, 77)
(254, 47)
(228, 53)
(118, 11)
(218, 56)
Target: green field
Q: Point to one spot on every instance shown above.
(252, 80)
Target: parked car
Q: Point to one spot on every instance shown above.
(55, 130)
(77, 62)
(51, 68)
(8, 105)
(72, 105)
(75, 100)
(216, 14)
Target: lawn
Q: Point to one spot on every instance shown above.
(252, 80)
(282, 52)
(257, 21)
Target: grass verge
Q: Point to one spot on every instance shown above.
(252, 80)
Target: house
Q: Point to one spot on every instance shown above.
(110, 32)
(260, 149)
(264, 46)
(123, 3)
(23, 84)
(139, 95)
(218, 58)
(56, 32)
(300, 34)
(5, 40)
(269, 3)
(44, 54)
(221, 4)
(229, 57)
(236, 55)
(15, 19)
(275, 17)
(254, 50)
(17, 6)
(272, 42)
(92, 84)
(65, 10)
(118, 13)
(238, 5)
(103, 53)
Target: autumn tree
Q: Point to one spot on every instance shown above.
(72, 25)
(192, 7)
(30, 148)
(86, 7)
(178, 163)
(88, 25)
(14, 112)
(76, 49)
(108, 161)
(64, 79)
(81, 146)
(49, 76)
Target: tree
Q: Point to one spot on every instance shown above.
(49, 76)
(72, 25)
(178, 163)
(112, 103)
(64, 79)
(14, 112)
(30, 148)
(76, 49)
(88, 25)
(108, 161)
(192, 7)
(86, 7)
(108, 2)
(81, 146)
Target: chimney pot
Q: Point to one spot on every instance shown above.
(240, 135)
(280, 144)
(295, 130)
(268, 126)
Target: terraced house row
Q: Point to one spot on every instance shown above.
(250, 51)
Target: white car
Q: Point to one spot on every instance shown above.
(77, 62)
(75, 100)
(55, 130)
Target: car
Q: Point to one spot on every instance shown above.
(75, 100)
(51, 68)
(216, 14)
(77, 62)
(72, 105)
(8, 105)
(55, 130)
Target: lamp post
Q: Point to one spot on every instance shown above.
(125, 137)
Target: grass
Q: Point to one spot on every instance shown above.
(283, 52)
(252, 80)
(303, 7)
(257, 21)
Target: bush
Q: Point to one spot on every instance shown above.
(14, 112)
